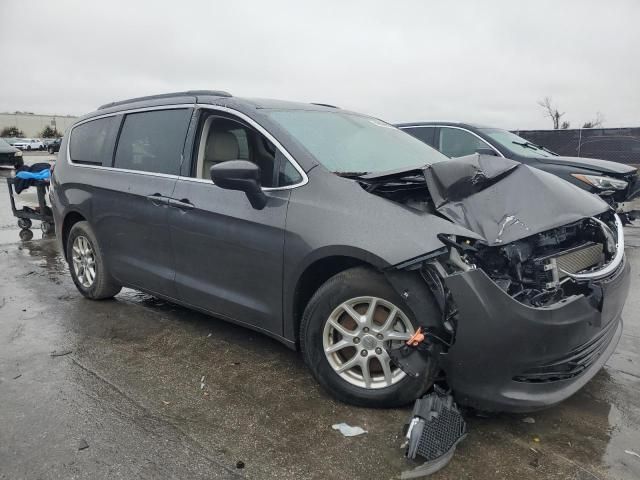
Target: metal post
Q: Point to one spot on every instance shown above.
(579, 142)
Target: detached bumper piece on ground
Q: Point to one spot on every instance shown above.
(434, 430)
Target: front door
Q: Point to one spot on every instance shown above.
(228, 255)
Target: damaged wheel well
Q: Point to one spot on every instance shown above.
(314, 276)
(69, 221)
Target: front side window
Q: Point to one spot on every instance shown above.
(92, 142)
(223, 139)
(454, 142)
(350, 143)
(153, 141)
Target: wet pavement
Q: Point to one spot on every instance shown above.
(127, 383)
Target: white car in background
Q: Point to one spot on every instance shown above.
(29, 144)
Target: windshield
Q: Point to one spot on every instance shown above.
(517, 144)
(350, 143)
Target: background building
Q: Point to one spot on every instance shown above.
(32, 124)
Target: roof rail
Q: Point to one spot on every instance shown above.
(325, 105)
(212, 93)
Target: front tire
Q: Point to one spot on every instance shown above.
(87, 264)
(346, 328)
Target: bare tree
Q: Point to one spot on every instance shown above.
(596, 122)
(551, 111)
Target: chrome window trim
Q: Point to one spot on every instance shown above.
(269, 137)
(114, 114)
(227, 110)
(457, 128)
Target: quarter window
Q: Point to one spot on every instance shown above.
(458, 143)
(153, 141)
(92, 142)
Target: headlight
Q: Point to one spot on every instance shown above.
(602, 183)
(18, 153)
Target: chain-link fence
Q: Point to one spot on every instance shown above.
(616, 144)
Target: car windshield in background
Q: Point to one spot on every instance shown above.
(353, 144)
(517, 144)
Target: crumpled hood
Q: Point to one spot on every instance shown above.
(504, 201)
(597, 165)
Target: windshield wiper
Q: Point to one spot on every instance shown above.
(530, 145)
(351, 174)
(533, 146)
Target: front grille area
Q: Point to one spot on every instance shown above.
(579, 259)
(572, 364)
(549, 269)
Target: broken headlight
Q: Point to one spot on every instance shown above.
(601, 182)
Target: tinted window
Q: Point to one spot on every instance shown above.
(424, 134)
(458, 143)
(152, 141)
(92, 142)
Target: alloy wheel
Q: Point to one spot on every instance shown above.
(84, 261)
(356, 337)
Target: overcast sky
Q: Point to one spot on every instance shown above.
(487, 62)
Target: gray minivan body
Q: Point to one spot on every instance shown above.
(134, 179)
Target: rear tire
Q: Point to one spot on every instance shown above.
(352, 288)
(87, 264)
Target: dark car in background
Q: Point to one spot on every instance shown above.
(10, 155)
(614, 182)
(53, 146)
(338, 234)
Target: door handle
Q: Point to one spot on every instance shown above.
(183, 204)
(157, 199)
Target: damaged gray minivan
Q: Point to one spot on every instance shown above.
(339, 234)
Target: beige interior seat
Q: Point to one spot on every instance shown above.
(220, 147)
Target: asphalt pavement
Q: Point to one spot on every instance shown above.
(138, 388)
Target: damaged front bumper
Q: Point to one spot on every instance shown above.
(508, 356)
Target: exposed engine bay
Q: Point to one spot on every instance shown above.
(537, 270)
(535, 264)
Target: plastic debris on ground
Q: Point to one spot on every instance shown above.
(631, 452)
(348, 430)
(434, 430)
(82, 444)
(528, 420)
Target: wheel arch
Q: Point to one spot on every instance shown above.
(316, 272)
(69, 221)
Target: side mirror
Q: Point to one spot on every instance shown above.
(240, 175)
(486, 151)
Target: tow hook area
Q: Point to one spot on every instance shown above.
(433, 432)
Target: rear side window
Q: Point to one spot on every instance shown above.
(153, 141)
(92, 142)
(422, 133)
